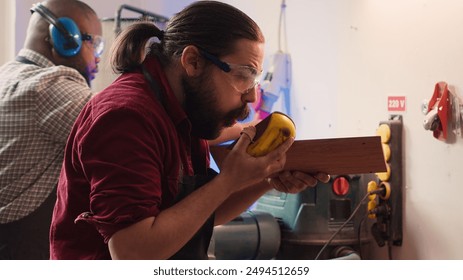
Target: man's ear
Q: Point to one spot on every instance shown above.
(192, 61)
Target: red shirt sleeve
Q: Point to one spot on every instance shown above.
(122, 156)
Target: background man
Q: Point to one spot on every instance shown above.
(41, 93)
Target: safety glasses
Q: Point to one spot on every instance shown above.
(96, 41)
(243, 77)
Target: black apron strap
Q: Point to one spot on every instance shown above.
(196, 248)
(155, 87)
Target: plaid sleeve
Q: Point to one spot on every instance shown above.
(62, 94)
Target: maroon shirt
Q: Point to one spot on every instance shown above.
(123, 161)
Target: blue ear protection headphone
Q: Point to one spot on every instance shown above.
(64, 32)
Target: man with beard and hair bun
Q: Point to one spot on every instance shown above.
(135, 182)
(41, 93)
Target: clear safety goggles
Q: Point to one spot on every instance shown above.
(97, 42)
(242, 77)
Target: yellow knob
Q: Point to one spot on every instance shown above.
(385, 132)
(387, 186)
(372, 186)
(386, 151)
(384, 176)
(371, 206)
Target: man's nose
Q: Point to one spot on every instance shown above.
(250, 95)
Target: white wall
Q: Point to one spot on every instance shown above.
(8, 33)
(348, 56)
(404, 48)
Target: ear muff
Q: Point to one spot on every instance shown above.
(64, 32)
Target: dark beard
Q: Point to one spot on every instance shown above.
(87, 79)
(200, 107)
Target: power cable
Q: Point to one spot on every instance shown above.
(347, 221)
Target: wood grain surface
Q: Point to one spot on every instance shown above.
(334, 156)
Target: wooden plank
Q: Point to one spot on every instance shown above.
(334, 156)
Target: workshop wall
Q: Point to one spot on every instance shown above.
(348, 58)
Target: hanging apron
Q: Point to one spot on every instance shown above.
(196, 248)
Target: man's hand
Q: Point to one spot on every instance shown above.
(242, 170)
(296, 181)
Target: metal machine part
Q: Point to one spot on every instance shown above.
(297, 226)
(111, 28)
(344, 253)
(309, 219)
(253, 235)
(144, 15)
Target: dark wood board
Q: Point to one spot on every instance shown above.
(334, 156)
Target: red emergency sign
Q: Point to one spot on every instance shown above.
(396, 103)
